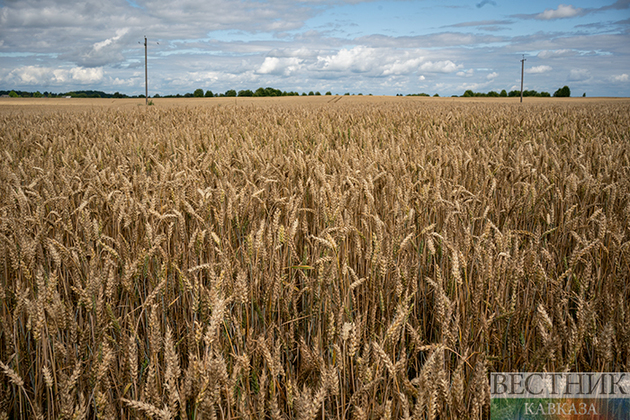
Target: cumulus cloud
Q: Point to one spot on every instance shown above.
(123, 82)
(280, 66)
(538, 69)
(578, 75)
(30, 75)
(492, 75)
(402, 67)
(379, 62)
(620, 78)
(467, 73)
(86, 75)
(563, 11)
(359, 59)
(446, 66)
(34, 75)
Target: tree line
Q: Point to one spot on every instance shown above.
(260, 92)
(563, 92)
(73, 94)
(267, 92)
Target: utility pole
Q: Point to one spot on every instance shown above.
(522, 71)
(146, 72)
(146, 77)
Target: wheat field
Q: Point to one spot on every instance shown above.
(349, 258)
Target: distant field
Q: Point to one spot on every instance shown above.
(77, 104)
(306, 257)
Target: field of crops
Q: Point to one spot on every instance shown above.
(338, 258)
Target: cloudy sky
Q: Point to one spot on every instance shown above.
(379, 47)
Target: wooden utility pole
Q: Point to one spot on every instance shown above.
(146, 77)
(522, 71)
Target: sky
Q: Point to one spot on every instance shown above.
(384, 47)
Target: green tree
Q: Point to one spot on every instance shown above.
(246, 93)
(311, 93)
(209, 94)
(563, 92)
(198, 93)
(230, 93)
(269, 91)
(468, 94)
(37, 94)
(503, 94)
(318, 94)
(328, 93)
(436, 96)
(13, 94)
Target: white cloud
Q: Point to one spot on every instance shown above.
(86, 75)
(467, 73)
(59, 76)
(30, 74)
(563, 11)
(492, 75)
(538, 69)
(34, 75)
(578, 75)
(123, 82)
(403, 66)
(119, 33)
(446, 66)
(359, 59)
(280, 66)
(620, 78)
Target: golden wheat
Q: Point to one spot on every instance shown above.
(338, 260)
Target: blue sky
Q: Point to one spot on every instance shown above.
(378, 47)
